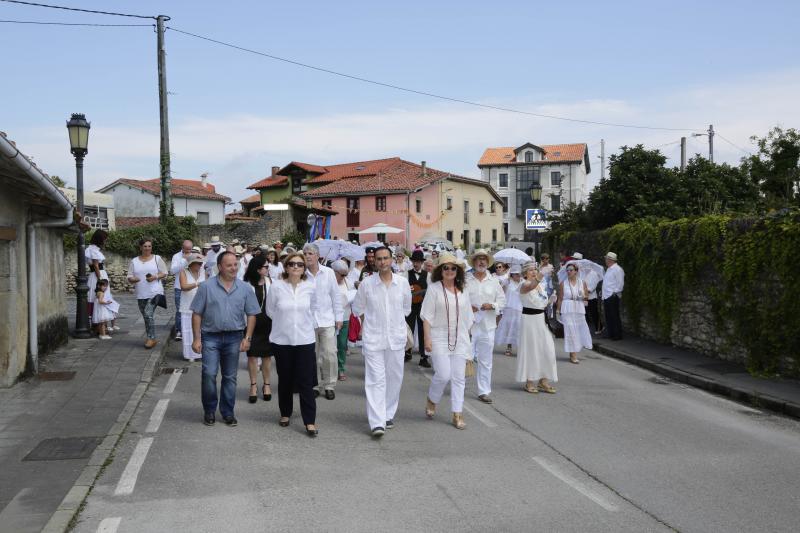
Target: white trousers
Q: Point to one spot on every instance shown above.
(327, 361)
(187, 336)
(483, 348)
(383, 378)
(448, 369)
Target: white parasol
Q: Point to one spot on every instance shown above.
(380, 228)
(512, 256)
(584, 267)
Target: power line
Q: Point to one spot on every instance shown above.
(76, 9)
(422, 93)
(735, 146)
(72, 24)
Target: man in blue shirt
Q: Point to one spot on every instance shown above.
(222, 309)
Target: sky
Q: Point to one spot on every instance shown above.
(232, 114)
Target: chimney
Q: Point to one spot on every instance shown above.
(204, 180)
(275, 171)
(424, 170)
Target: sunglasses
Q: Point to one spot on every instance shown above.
(500, 266)
(447, 268)
(296, 264)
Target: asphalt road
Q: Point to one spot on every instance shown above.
(616, 449)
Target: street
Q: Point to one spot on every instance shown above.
(616, 449)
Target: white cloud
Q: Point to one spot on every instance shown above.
(239, 149)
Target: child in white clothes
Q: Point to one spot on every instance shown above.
(105, 309)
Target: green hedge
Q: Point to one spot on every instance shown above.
(746, 266)
(167, 237)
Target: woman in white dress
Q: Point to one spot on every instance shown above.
(190, 278)
(508, 329)
(573, 297)
(536, 357)
(274, 264)
(146, 272)
(95, 260)
(446, 320)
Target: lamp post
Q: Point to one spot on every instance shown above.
(78, 129)
(536, 198)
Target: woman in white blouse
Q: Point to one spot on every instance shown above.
(274, 265)
(189, 279)
(536, 353)
(347, 294)
(146, 272)
(446, 320)
(291, 303)
(96, 262)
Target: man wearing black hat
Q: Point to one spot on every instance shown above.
(369, 267)
(418, 280)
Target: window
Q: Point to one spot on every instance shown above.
(352, 237)
(480, 207)
(555, 202)
(466, 211)
(505, 230)
(527, 177)
(327, 203)
(449, 236)
(505, 205)
(503, 180)
(297, 183)
(202, 218)
(492, 207)
(380, 203)
(96, 217)
(477, 237)
(555, 179)
(494, 235)
(381, 237)
(449, 204)
(353, 213)
(419, 205)
(529, 157)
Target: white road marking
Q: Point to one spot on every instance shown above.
(577, 485)
(488, 423)
(128, 480)
(109, 525)
(173, 381)
(157, 416)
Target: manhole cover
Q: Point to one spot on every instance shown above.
(56, 376)
(59, 449)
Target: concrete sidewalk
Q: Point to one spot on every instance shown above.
(714, 375)
(59, 428)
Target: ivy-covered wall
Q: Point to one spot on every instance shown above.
(723, 286)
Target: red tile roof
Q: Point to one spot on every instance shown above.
(180, 188)
(250, 200)
(553, 153)
(349, 170)
(269, 181)
(315, 207)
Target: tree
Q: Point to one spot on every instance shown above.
(775, 167)
(638, 186)
(58, 181)
(710, 188)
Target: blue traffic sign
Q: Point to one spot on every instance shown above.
(535, 219)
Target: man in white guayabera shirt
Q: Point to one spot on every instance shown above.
(328, 320)
(488, 298)
(383, 301)
(613, 283)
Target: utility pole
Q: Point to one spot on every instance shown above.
(166, 185)
(602, 159)
(711, 142)
(683, 154)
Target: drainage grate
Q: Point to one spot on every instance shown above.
(171, 370)
(56, 376)
(59, 449)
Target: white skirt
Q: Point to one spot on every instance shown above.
(186, 334)
(508, 329)
(576, 332)
(91, 281)
(104, 312)
(536, 354)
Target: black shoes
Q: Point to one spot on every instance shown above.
(389, 424)
(316, 393)
(312, 432)
(378, 432)
(267, 397)
(408, 356)
(424, 362)
(253, 397)
(231, 421)
(208, 419)
(329, 394)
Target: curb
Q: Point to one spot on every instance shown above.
(753, 398)
(69, 507)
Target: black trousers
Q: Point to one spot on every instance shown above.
(412, 319)
(297, 369)
(613, 321)
(593, 314)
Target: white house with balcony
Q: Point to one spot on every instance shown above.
(560, 169)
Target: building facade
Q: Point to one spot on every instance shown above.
(141, 198)
(98, 208)
(560, 169)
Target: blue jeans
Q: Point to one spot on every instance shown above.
(177, 328)
(220, 350)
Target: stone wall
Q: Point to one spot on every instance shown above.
(270, 228)
(116, 266)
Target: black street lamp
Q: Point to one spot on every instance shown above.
(78, 129)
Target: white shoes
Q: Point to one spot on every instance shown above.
(116, 328)
(105, 337)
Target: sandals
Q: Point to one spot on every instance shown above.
(252, 398)
(284, 422)
(458, 421)
(574, 361)
(430, 408)
(530, 387)
(546, 387)
(267, 397)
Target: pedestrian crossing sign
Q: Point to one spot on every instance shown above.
(535, 219)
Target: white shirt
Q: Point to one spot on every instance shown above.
(613, 281)
(347, 295)
(329, 305)
(434, 311)
(187, 297)
(137, 269)
(591, 279)
(353, 275)
(460, 254)
(211, 260)
(292, 312)
(486, 291)
(177, 264)
(384, 309)
(275, 271)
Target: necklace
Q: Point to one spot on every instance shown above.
(451, 345)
